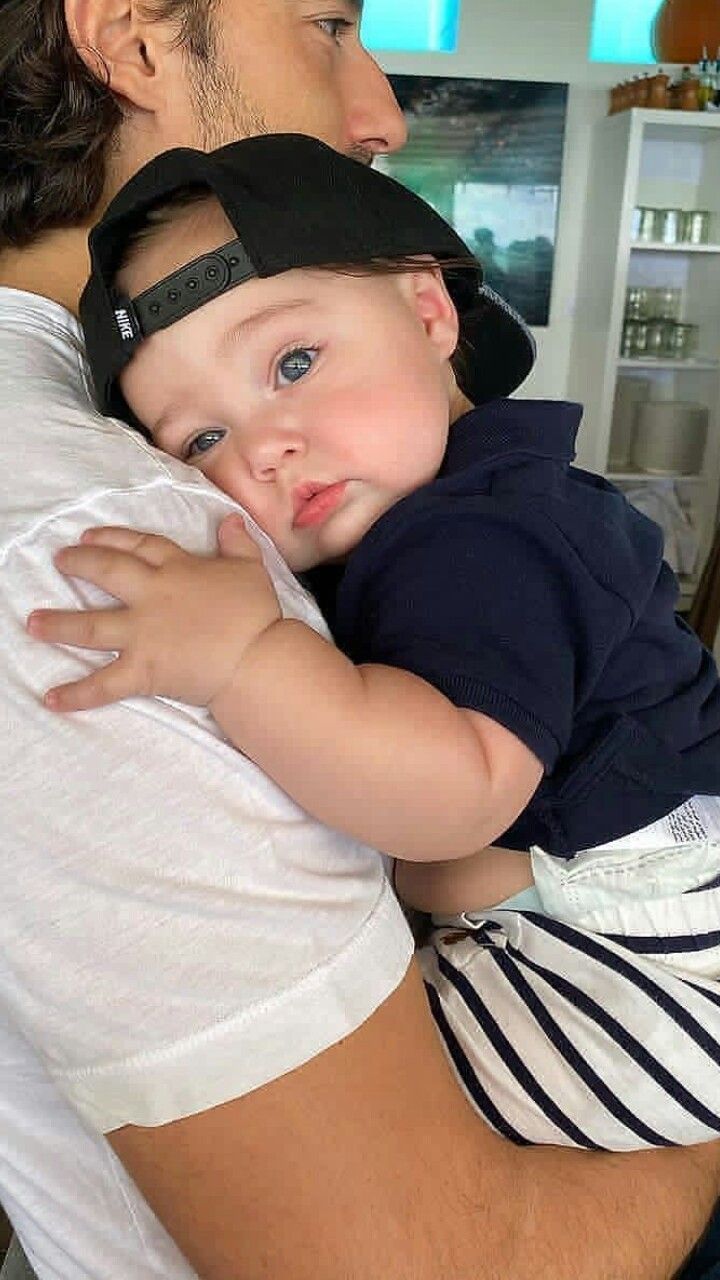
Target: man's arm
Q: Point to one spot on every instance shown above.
(369, 1162)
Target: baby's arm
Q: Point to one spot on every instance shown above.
(371, 750)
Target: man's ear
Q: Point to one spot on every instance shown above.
(118, 46)
(427, 294)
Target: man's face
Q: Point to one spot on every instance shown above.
(278, 66)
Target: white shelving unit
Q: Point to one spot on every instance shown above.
(662, 159)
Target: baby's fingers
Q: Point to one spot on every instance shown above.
(111, 683)
(119, 573)
(97, 629)
(150, 547)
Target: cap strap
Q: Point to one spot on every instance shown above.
(188, 288)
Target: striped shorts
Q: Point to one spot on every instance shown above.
(594, 1021)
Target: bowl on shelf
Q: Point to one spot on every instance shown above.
(669, 437)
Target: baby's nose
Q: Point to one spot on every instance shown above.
(269, 450)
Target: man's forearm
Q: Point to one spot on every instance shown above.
(588, 1216)
(369, 1161)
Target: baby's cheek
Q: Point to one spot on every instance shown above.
(226, 475)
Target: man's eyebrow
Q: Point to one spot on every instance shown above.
(356, 6)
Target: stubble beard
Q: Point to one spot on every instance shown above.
(223, 113)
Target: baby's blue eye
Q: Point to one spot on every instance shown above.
(203, 442)
(296, 364)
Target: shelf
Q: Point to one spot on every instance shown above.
(656, 246)
(658, 159)
(654, 362)
(667, 124)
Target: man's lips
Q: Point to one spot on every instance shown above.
(313, 503)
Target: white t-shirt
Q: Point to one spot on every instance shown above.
(175, 931)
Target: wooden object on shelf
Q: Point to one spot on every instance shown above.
(659, 91)
(683, 28)
(704, 617)
(687, 96)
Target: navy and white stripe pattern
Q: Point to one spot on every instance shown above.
(563, 1036)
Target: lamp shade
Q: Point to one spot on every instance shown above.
(683, 28)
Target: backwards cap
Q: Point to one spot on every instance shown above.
(293, 202)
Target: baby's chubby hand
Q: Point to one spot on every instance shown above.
(183, 624)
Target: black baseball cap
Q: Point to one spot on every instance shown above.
(293, 202)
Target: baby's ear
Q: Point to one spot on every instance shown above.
(426, 292)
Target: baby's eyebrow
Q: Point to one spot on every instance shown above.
(229, 338)
(165, 421)
(244, 328)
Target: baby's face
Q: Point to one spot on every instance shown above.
(315, 400)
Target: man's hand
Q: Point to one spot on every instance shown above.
(183, 624)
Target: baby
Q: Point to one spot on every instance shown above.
(515, 713)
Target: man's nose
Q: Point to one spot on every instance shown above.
(375, 121)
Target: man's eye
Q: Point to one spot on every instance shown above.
(336, 28)
(203, 442)
(293, 366)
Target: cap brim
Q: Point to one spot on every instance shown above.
(498, 348)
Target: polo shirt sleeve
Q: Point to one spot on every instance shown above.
(494, 607)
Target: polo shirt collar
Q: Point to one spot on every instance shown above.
(539, 428)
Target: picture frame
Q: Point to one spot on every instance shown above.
(487, 155)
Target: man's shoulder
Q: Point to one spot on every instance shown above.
(80, 470)
(60, 451)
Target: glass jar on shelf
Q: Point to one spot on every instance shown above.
(696, 226)
(669, 226)
(666, 303)
(644, 224)
(657, 344)
(634, 339)
(637, 303)
(682, 341)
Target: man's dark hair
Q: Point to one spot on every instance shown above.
(58, 118)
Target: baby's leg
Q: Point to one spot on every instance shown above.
(593, 1030)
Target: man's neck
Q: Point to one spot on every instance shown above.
(56, 267)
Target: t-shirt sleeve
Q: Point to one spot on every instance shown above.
(496, 609)
(175, 931)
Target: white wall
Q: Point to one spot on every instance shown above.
(538, 40)
(517, 40)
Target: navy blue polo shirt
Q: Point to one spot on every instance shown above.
(529, 590)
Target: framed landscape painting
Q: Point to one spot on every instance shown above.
(487, 154)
